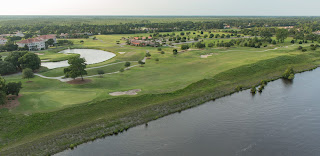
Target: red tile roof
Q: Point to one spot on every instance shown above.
(38, 39)
(30, 40)
(46, 37)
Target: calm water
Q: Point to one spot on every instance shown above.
(92, 56)
(283, 120)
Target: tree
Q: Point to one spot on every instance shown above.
(77, 67)
(3, 97)
(265, 34)
(13, 58)
(175, 52)
(7, 68)
(30, 60)
(200, 45)
(100, 72)
(184, 47)
(159, 49)
(210, 45)
(13, 88)
(50, 42)
(81, 41)
(27, 73)
(288, 74)
(282, 34)
(157, 60)
(26, 36)
(127, 64)
(141, 63)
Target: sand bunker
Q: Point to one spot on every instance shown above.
(122, 53)
(129, 92)
(205, 56)
(39, 53)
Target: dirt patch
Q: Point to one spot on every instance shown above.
(79, 81)
(39, 53)
(129, 92)
(12, 102)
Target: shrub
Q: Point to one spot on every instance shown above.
(253, 90)
(288, 74)
(184, 47)
(100, 72)
(239, 88)
(162, 52)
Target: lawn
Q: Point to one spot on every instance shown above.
(169, 74)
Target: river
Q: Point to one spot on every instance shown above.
(283, 120)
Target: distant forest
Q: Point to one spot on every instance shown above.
(142, 24)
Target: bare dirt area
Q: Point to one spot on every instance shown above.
(129, 92)
(12, 102)
(39, 53)
(79, 81)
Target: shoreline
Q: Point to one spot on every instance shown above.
(189, 97)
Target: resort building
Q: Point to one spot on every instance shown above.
(38, 43)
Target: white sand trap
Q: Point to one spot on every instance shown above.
(122, 53)
(39, 53)
(205, 56)
(129, 92)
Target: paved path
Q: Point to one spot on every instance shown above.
(62, 79)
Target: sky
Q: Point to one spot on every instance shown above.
(162, 7)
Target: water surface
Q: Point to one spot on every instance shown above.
(282, 121)
(92, 56)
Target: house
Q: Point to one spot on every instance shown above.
(19, 33)
(3, 41)
(64, 35)
(227, 27)
(317, 32)
(38, 43)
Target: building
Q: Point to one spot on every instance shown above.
(64, 35)
(19, 33)
(317, 32)
(38, 43)
(3, 41)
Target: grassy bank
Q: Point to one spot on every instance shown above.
(58, 130)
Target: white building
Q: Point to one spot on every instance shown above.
(3, 41)
(38, 43)
(19, 33)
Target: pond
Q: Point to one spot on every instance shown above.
(92, 56)
(283, 120)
